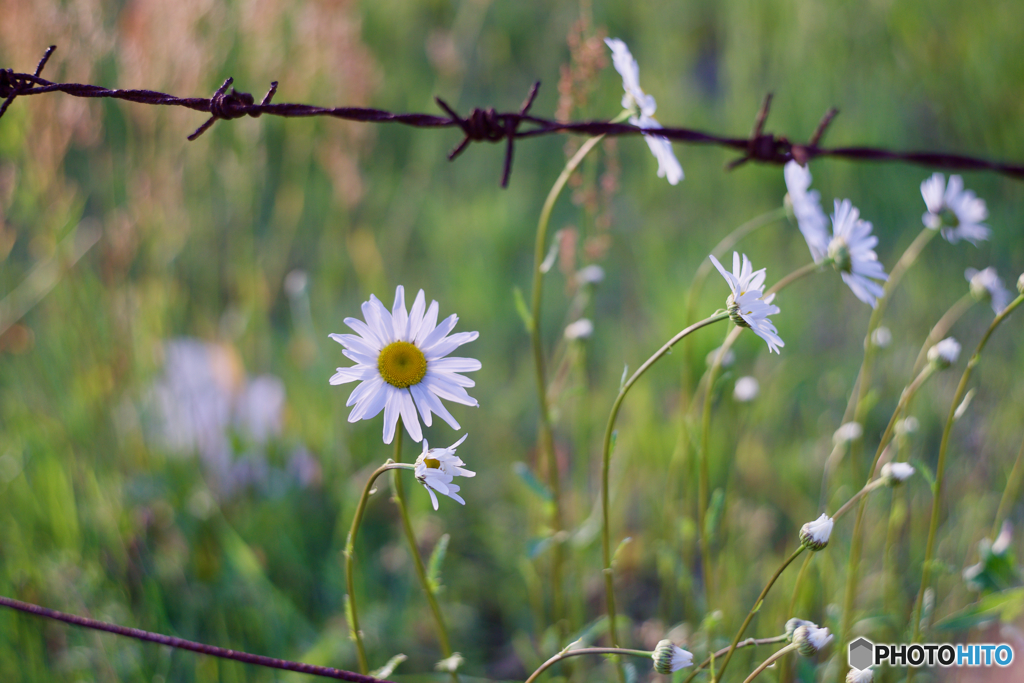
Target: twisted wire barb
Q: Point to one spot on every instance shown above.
(489, 125)
(182, 644)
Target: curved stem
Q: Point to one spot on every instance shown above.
(757, 606)
(606, 460)
(796, 275)
(586, 651)
(353, 615)
(940, 468)
(1010, 492)
(546, 434)
(742, 644)
(768, 662)
(410, 537)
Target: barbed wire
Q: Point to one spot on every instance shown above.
(489, 125)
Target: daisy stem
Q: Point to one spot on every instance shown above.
(586, 651)
(786, 672)
(755, 609)
(606, 460)
(856, 541)
(940, 329)
(796, 275)
(1010, 492)
(746, 643)
(547, 446)
(356, 634)
(940, 469)
(410, 537)
(768, 662)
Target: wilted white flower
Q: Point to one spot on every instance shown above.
(896, 472)
(581, 329)
(852, 252)
(401, 364)
(881, 337)
(437, 467)
(748, 307)
(847, 432)
(746, 389)
(669, 657)
(944, 353)
(807, 209)
(727, 360)
(860, 676)
(590, 275)
(986, 286)
(957, 211)
(810, 639)
(635, 99)
(814, 535)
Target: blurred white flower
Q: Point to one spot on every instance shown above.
(636, 100)
(881, 337)
(944, 353)
(727, 360)
(814, 535)
(401, 365)
(748, 307)
(746, 389)
(860, 676)
(957, 211)
(897, 472)
(437, 467)
(847, 432)
(986, 286)
(581, 329)
(810, 639)
(669, 657)
(590, 275)
(907, 425)
(852, 250)
(807, 209)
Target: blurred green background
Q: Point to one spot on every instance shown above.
(172, 457)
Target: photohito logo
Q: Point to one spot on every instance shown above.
(863, 654)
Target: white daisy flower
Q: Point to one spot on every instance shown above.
(748, 307)
(852, 251)
(746, 389)
(811, 220)
(590, 275)
(669, 657)
(437, 467)
(581, 329)
(847, 432)
(957, 211)
(815, 534)
(401, 365)
(945, 352)
(635, 99)
(810, 639)
(896, 472)
(986, 286)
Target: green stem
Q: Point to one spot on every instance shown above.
(586, 651)
(350, 553)
(606, 460)
(786, 673)
(856, 541)
(410, 537)
(1010, 492)
(940, 469)
(546, 433)
(938, 332)
(756, 608)
(768, 662)
(742, 644)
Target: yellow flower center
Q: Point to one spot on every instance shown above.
(401, 364)
(432, 463)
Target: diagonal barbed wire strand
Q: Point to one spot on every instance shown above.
(489, 125)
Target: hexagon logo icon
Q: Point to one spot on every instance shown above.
(861, 653)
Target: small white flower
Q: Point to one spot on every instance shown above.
(669, 657)
(581, 329)
(807, 209)
(907, 425)
(860, 676)
(957, 211)
(437, 467)
(881, 337)
(727, 360)
(852, 248)
(590, 275)
(897, 472)
(810, 639)
(746, 389)
(986, 286)
(748, 307)
(847, 432)
(401, 365)
(635, 99)
(815, 534)
(945, 352)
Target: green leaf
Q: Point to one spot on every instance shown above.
(535, 485)
(715, 508)
(390, 667)
(625, 374)
(523, 310)
(622, 544)
(434, 565)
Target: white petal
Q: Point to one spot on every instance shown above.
(392, 409)
(427, 402)
(448, 344)
(439, 332)
(416, 316)
(399, 318)
(408, 411)
(440, 385)
(455, 364)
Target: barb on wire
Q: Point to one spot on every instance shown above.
(182, 644)
(489, 125)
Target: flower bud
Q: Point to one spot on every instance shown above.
(668, 657)
(945, 353)
(839, 252)
(814, 535)
(895, 473)
(734, 312)
(793, 624)
(810, 639)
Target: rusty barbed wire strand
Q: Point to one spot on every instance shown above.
(489, 125)
(182, 644)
